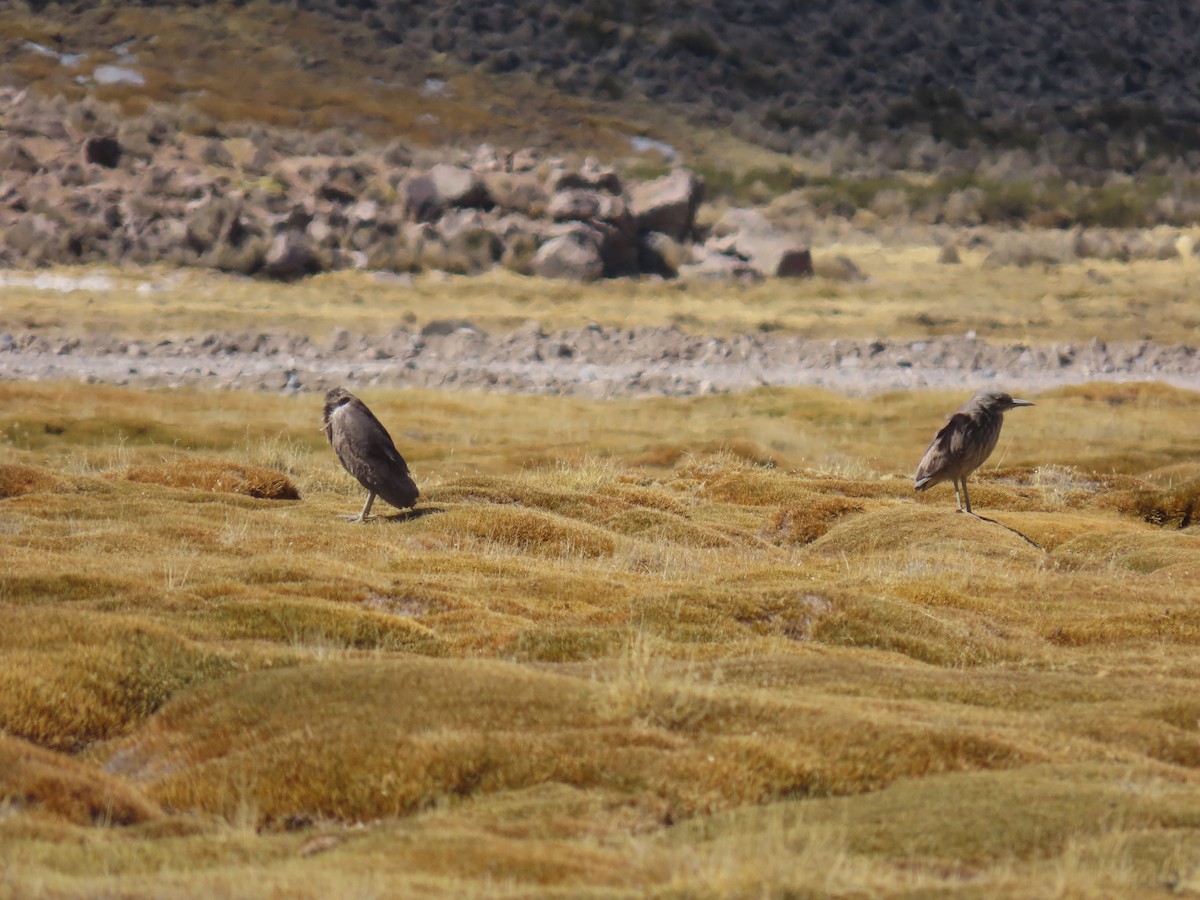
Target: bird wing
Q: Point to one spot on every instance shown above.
(944, 452)
(366, 450)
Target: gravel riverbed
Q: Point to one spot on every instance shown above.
(591, 361)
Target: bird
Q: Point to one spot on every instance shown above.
(365, 450)
(964, 443)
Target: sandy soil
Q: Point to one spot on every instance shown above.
(592, 361)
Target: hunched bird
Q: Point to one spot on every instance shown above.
(965, 442)
(366, 451)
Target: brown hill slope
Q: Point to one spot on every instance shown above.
(1108, 90)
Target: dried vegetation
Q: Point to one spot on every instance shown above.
(659, 659)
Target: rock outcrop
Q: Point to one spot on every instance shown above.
(243, 206)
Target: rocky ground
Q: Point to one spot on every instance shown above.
(144, 191)
(593, 361)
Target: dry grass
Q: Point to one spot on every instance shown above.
(620, 670)
(261, 63)
(904, 298)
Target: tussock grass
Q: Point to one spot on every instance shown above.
(207, 475)
(17, 479)
(589, 667)
(39, 781)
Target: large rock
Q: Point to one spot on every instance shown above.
(576, 204)
(456, 186)
(574, 256)
(291, 255)
(661, 254)
(212, 222)
(518, 192)
(775, 255)
(718, 267)
(421, 202)
(750, 236)
(470, 243)
(668, 204)
(345, 183)
(742, 221)
(591, 177)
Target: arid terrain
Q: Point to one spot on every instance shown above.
(662, 304)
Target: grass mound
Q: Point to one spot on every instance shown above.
(407, 735)
(803, 523)
(42, 781)
(523, 530)
(585, 675)
(17, 480)
(69, 681)
(218, 476)
(1175, 506)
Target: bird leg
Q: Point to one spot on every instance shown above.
(966, 498)
(362, 516)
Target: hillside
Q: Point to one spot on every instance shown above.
(779, 70)
(1097, 90)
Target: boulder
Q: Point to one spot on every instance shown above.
(661, 254)
(212, 222)
(344, 183)
(518, 192)
(456, 186)
(775, 255)
(718, 267)
(291, 255)
(618, 249)
(364, 212)
(742, 221)
(524, 160)
(573, 256)
(485, 159)
(471, 243)
(421, 202)
(668, 204)
(576, 204)
(591, 178)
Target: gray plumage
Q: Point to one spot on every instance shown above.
(965, 442)
(366, 451)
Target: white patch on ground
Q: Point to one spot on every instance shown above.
(117, 75)
(67, 59)
(647, 145)
(62, 284)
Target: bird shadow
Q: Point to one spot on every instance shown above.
(410, 515)
(1023, 537)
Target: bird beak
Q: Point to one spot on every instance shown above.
(1021, 403)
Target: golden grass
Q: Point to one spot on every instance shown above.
(589, 666)
(206, 475)
(904, 299)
